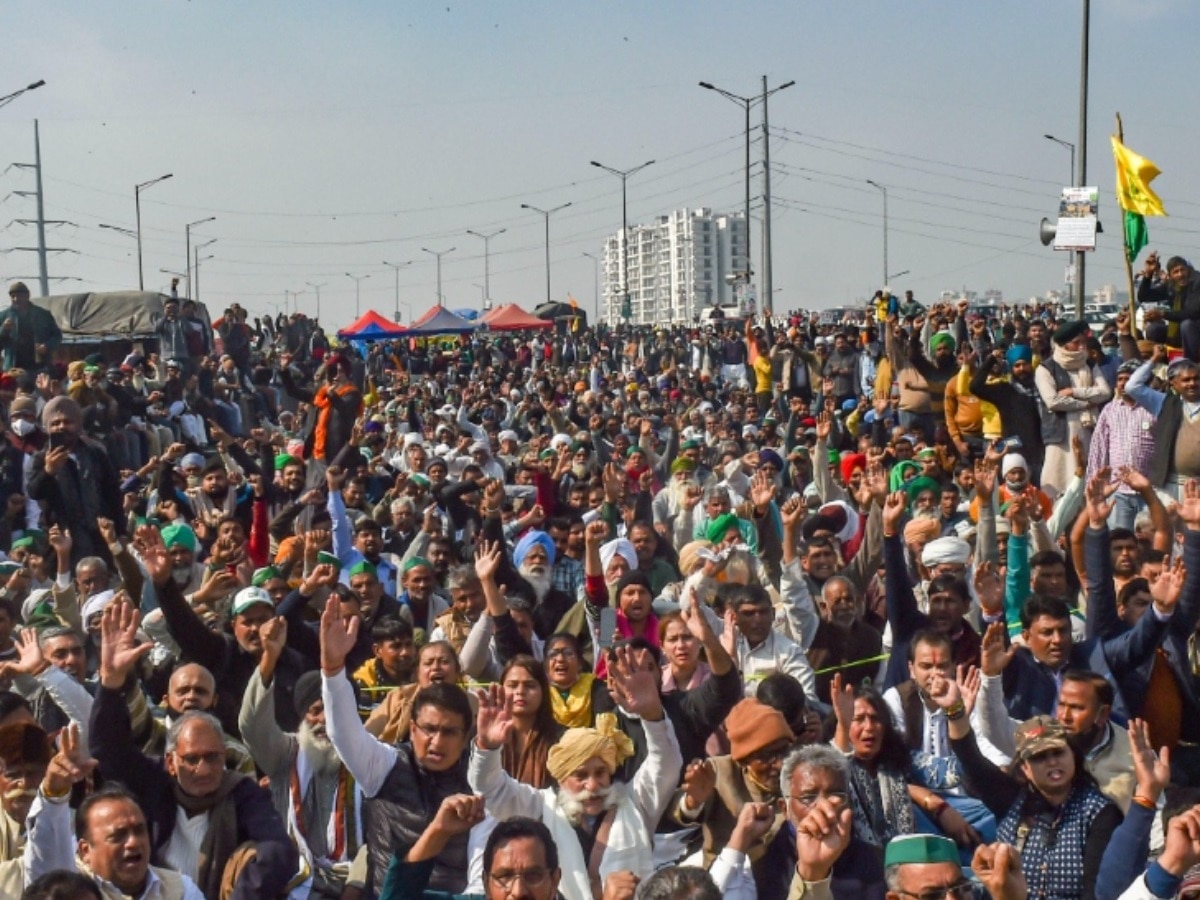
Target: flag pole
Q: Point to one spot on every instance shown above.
(1125, 252)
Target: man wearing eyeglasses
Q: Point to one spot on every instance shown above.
(28, 333)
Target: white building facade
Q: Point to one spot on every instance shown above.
(679, 265)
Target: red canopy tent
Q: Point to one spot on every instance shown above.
(510, 317)
(371, 327)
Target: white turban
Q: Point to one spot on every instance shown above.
(560, 440)
(96, 604)
(1012, 461)
(619, 546)
(946, 551)
(413, 438)
(507, 436)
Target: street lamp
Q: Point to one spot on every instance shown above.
(137, 204)
(9, 98)
(397, 267)
(357, 282)
(595, 283)
(317, 288)
(547, 213)
(487, 278)
(187, 231)
(624, 175)
(439, 254)
(1070, 147)
(876, 184)
(196, 263)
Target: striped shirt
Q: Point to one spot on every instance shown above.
(1124, 436)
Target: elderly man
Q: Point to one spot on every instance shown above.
(28, 334)
(76, 480)
(601, 828)
(25, 752)
(310, 786)
(534, 558)
(844, 641)
(202, 817)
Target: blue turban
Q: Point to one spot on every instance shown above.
(770, 458)
(527, 542)
(1019, 353)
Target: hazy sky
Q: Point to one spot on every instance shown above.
(329, 137)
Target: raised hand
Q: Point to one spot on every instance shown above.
(968, 680)
(1153, 770)
(893, 512)
(985, 480)
(494, 721)
(108, 530)
(69, 766)
(824, 426)
(154, 555)
(458, 814)
(1168, 586)
(821, 838)
(487, 560)
(994, 655)
(636, 692)
(595, 533)
(1097, 494)
(30, 659)
(338, 636)
(989, 587)
(792, 512)
(120, 648)
(998, 867)
(614, 483)
(729, 633)
(1189, 508)
(753, 824)
(692, 496)
(699, 782)
(875, 479)
(335, 477)
(762, 492)
(274, 638)
(842, 695)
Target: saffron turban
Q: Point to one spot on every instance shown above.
(606, 741)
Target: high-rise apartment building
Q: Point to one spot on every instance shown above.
(679, 265)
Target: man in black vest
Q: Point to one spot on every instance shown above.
(1017, 400)
(1176, 457)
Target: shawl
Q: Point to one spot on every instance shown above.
(628, 847)
(1074, 361)
(529, 765)
(343, 833)
(573, 709)
(11, 837)
(882, 808)
(221, 839)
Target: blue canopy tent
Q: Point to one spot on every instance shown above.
(372, 327)
(439, 320)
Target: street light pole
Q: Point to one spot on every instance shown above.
(595, 283)
(624, 174)
(397, 267)
(885, 228)
(137, 204)
(187, 231)
(547, 213)
(196, 264)
(745, 103)
(1080, 255)
(317, 288)
(1070, 147)
(357, 282)
(768, 284)
(487, 279)
(9, 98)
(439, 254)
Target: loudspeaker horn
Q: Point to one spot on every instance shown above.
(1047, 232)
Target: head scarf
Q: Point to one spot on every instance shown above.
(719, 527)
(179, 535)
(621, 547)
(1012, 461)
(689, 556)
(941, 338)
(578, 745)
(770, 458)
(1019, 353)
(919, 484)
(850, 462)
(528, 541)
(921, 530)
(946, 550)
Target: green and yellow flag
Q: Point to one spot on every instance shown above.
(1134, 196)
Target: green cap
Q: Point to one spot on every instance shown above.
(418, 561)
(363, 567)
(719, 527)
(22, 542)
(179, 535)
(263, 575)
(920, 848)
(683, 464)
(324, 558)
(284, 459)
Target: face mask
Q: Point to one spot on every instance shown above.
(23, 427)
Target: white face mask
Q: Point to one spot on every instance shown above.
(23, 427)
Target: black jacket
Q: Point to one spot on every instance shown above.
(1018, 413)
(67, 504)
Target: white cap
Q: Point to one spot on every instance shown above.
(1012, 461)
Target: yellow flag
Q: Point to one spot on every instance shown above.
(574, 303)
(1134, 174)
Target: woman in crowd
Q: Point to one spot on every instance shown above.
(534, 729)
(437, 663)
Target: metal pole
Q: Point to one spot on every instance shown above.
(883, 190)
(43, 273)
(749, 263)
(766, 301)
(1080, 255)
(625, 298)
(195, 265)
(137, 205)
(487, 278)
(546, 213)
(595, 283)
(317, 288)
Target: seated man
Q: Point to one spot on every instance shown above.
(588, 812)
(391, 665)
(202, 817)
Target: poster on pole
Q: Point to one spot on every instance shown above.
(1077, 211)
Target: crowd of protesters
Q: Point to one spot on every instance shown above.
(901, 605)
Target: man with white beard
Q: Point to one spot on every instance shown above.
(310, 786)
(588, 807)
(534, 558)
(681, 493)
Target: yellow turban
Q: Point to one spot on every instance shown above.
(921, 530)
(578, 745)
(689, 556)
